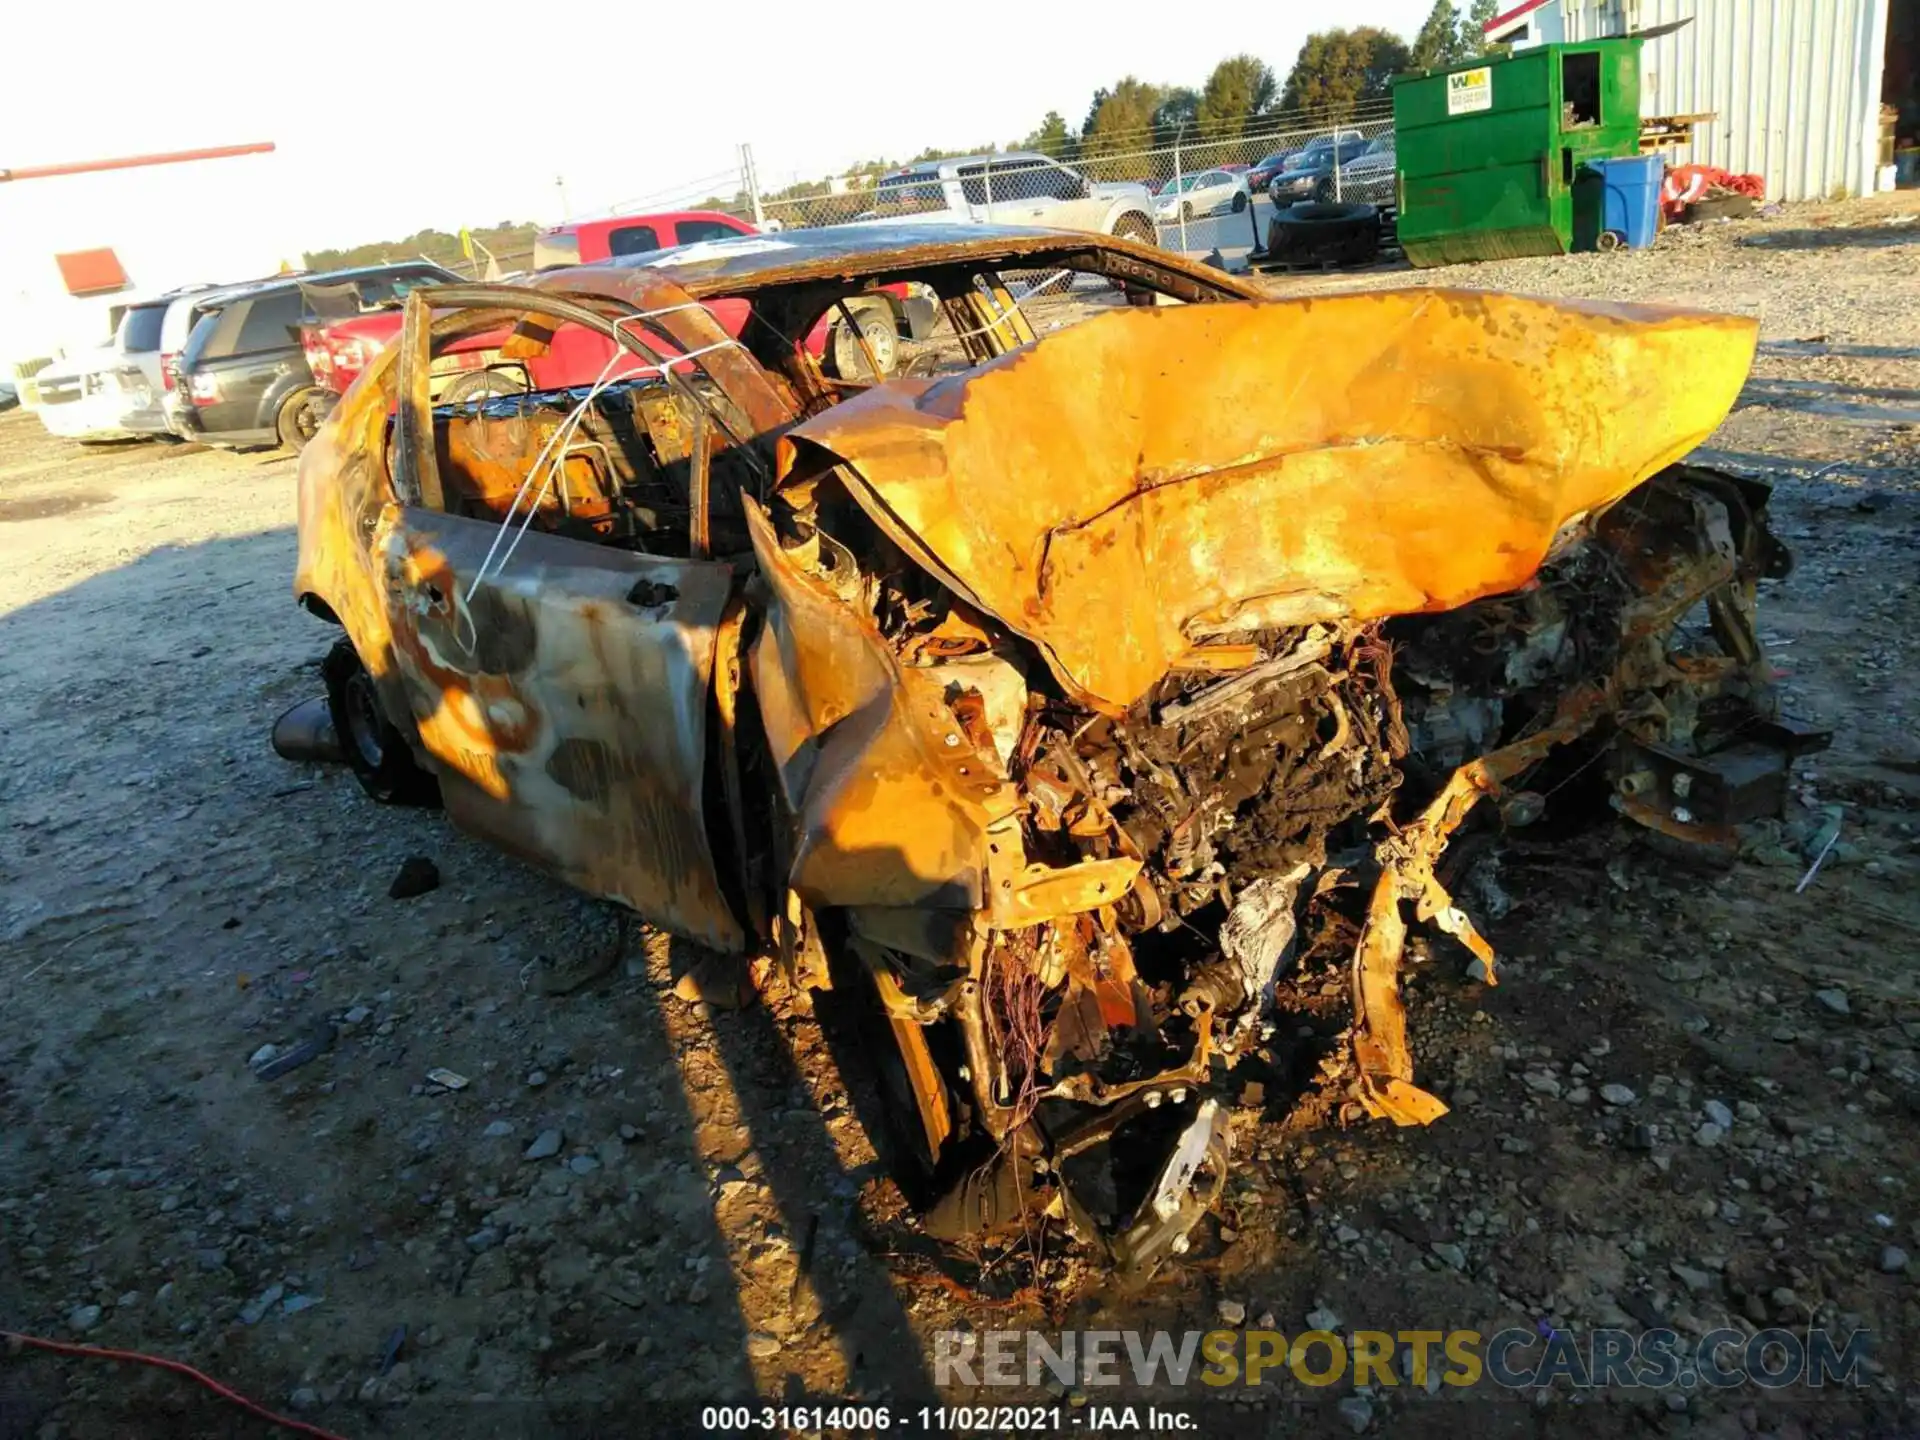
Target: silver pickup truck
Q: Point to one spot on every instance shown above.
(1019, 187)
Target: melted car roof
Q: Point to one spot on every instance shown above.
(717, 266)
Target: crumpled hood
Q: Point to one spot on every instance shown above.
(1133, 486)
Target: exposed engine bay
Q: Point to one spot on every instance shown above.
(1318, 767)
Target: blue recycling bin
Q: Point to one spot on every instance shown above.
(1617, 202)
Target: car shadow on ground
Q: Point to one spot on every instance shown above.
(812, 1188)
(176, 894)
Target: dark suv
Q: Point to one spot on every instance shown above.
(242, 378)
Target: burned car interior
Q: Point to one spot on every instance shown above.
(625, 476)
(1045, 699)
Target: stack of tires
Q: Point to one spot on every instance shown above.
(1315, 232)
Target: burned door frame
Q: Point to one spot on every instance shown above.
(564, 687)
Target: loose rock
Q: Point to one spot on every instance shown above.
(1321, 1318)
(1697, 1282)
(417, 875)
(255, 1310)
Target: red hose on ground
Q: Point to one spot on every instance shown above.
(178, 1367)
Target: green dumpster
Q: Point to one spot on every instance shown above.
(1489, 151)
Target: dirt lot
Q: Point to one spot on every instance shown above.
(710, 1223)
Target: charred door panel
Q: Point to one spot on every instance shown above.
(565, 700)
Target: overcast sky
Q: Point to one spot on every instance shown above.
(395, 116)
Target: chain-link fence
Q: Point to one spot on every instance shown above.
(1190, 188)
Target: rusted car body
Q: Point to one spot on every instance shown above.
(1038, 705)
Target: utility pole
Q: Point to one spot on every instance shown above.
(560, 184)
(1179, 192)
(750, 182)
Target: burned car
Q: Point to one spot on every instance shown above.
(1032, 702)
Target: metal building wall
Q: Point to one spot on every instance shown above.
(1795, 84)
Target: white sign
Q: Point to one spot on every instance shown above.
(1470, 90)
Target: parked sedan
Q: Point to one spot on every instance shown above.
(1261, 175)
(1207, 193)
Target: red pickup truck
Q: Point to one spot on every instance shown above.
(582, 242)
(338, 350)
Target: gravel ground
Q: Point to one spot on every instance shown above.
(1690, 1101)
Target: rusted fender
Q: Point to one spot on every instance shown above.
(892, 800)
(343, 490)
(1125, 487)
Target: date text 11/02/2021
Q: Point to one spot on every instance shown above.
(942, 1419)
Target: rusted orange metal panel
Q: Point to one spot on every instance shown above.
(1144, 481)
(892, 800)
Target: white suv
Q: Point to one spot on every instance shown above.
(1020, 187)
(116, 392)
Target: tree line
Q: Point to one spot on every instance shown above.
(510, 241)
(1335, 73)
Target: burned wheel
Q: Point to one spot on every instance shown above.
(376, 751)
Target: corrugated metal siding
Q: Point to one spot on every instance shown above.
(1795, 83)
